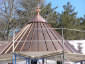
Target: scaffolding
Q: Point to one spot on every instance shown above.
(59, 56)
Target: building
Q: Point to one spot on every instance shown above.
(37, 40)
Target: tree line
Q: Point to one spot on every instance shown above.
(23, 11)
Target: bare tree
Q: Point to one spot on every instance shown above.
(6, 12)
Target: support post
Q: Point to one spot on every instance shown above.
(34, 61)
(28, 61)
(56, 61)
(46, 61)
(81, 62)
(63, 45)
(14, 56)
(43, 61)
(14, 59)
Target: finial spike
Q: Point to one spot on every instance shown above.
(38, 10)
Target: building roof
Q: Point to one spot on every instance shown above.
(38, 36)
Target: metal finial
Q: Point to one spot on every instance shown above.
(38, 10)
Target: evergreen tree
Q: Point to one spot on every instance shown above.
(68, 16)
(50, 14)
(69, 20)
(82, 26)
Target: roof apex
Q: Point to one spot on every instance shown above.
(38, 17)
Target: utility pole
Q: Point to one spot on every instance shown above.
(10, 20)
(63, 45)
(80, 50)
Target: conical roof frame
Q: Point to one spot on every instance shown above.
(38, 36)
